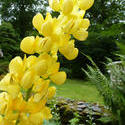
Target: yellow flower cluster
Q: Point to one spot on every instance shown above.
(25, 89)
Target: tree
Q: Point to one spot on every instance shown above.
(21, 12)
(9, 41)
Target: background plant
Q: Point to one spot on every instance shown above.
(112, 87)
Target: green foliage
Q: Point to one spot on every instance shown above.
(106, 12)
(21, 12)
(9, 41)
(3, 66)
(75, 120)
(113, 88)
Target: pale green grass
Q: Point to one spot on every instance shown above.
(79, 90)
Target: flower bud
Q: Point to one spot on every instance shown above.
(27, 45)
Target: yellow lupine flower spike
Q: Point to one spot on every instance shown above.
(25, 89)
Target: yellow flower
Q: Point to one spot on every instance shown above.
(30, 61)
(36, 118)
(16, 66)
(43, 91)
(81, 34)
(85, 4)
(51, 92)
(58, 78)
(38, 20)
(4, 99)
(47, 28)
(40, 67)
(54, 4)
(27, 79)
(40, 84)
(85, 23)
(6, 79)
(18, 104)
(67, 7)
(25, 89)
(69, 51)
(27, 45)
(13, 90)
(43, 44)
(46, 113)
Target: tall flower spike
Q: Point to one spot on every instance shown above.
(25, 89)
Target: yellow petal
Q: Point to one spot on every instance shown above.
(48, 17)
(67, 7)
(6, 79)
(27, 45)
(27, 80)
(85, 4)
(46, 113)
(16, 65)
(58, 78)
(54, 4)
(81, 34)
(81, 13)
(47, 28)
(85, 23)
(4, 99)
(51, 92)
(30, 61)
(40, 67)
(38, 21)
(13, 90)
(43, 45)
(36, 118)
(69, 51)
(72, 55)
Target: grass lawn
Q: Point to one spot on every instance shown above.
(79, 90)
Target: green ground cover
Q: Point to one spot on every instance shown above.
(79, 90)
